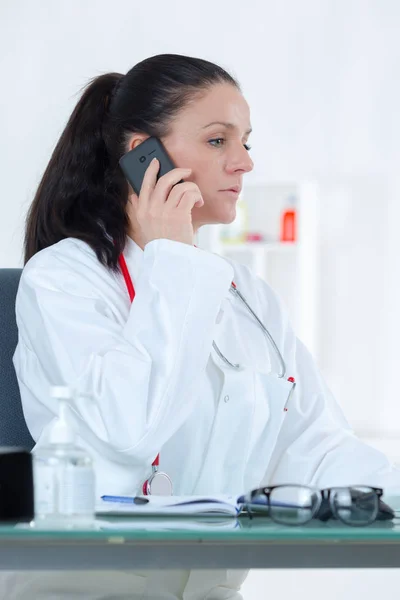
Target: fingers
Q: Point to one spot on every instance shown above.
(185, 196)
(191, 200)
(149, 180)
(169, 191)
(166, 184)
(163, 209)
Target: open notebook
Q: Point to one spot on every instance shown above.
(219, 505)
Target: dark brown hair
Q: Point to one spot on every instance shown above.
(83, 193)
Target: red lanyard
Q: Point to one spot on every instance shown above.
(127, 277)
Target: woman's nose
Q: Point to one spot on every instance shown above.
(240, 161)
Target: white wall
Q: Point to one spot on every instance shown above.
(320, 77)
(322, 80)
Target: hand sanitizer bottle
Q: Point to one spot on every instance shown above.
(64, 482)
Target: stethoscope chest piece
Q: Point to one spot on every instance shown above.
(158, 484)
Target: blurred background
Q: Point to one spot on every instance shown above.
(321, 78)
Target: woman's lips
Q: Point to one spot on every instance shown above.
(232, 192)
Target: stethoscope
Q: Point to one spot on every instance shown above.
(159, 483)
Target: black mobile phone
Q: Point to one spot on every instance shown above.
(135, 162)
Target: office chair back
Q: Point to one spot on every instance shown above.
(13, 429)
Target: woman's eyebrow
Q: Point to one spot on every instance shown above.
(227, 125)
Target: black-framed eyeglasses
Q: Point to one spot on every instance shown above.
(298, 504)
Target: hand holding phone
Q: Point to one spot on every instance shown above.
(162, 207)
(135, 163)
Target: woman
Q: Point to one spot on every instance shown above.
(159, 374)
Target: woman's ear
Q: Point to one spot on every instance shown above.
(136, 139)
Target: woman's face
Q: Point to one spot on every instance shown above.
(210, 136)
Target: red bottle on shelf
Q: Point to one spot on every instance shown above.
(289, 222)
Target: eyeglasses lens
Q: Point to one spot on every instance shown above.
(293, 505)
(356, 505)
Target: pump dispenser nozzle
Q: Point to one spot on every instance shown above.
(62, 432)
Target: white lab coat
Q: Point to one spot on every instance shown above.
(151, 382)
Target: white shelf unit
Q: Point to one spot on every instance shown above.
(290, 268)
(258, 256)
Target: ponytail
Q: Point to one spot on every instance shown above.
(82, 193)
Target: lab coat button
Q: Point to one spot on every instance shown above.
(226, 399)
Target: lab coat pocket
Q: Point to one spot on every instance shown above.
(273, 395)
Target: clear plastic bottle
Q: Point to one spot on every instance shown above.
(64, 480)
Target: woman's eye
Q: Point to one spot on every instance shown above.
(217, 142)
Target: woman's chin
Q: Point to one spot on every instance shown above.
(227, 217)
(224, 216)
